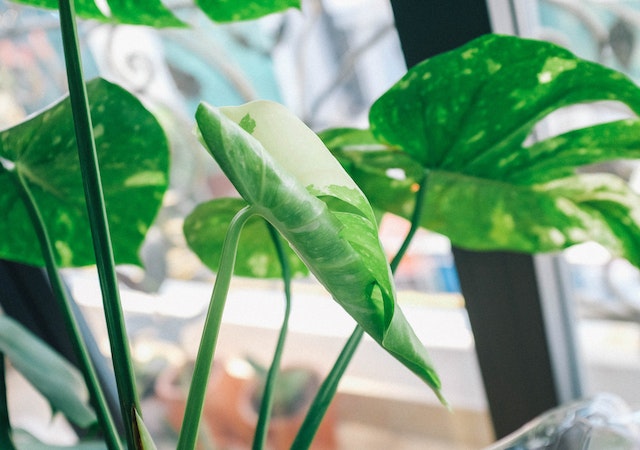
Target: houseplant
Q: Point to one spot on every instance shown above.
(328, 220)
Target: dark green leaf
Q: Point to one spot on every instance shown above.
(464, 118)
(56, 379)
(235, 10)
(134, 159)
(535, 218)
(154, 13)
(147, 12)
(559, 156)
(285, 172)
(205, 229)
(84, 8)
(470, 110)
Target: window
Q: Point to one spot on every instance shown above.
(328, 64)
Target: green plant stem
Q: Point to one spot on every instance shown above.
(416, 218)
(5, 424)
(325, 394)
(329, 386)
(60, 294)
(120, 352)
(202, 369)
(266, 406)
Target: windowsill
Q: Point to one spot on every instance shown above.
(374, 380)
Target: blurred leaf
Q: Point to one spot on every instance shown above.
(154, 13)
(52, 375)
(26, 441)
(622, 40)
(206, 227)
(134, 159)
(233, 11)
(283, 170)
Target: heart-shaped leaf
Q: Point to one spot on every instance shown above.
(53, 376)
(283, 170)
(134, 159)
(206, 227)
(154, 13)
(464, 119)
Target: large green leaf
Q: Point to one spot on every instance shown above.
(463, 119)
(134, 159)
(154, 13)
(56, 379)
(206, 227)
(283, 170)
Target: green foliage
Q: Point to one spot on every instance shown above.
(134, 159)
(463, 119)
(56, 379)
(154, 13)
(205, 230)
(287, 175)
(236, 10)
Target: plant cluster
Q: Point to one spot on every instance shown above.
(82, 182)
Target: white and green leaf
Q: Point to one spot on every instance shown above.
(134, 163)
(282, 169)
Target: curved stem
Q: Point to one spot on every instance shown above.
(326, 393)
(60, 294)
(266, 406)
(416, 218)
(329, 386)
(118, 340)
(202, 369)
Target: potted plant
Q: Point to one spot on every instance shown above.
(437, 128)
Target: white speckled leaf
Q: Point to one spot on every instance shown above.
(134, 161)
(282, 168)
(462, 119)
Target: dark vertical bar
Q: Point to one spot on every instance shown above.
(502, 300)
(500, 289)
(429, 27)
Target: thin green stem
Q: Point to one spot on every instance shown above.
(120, 351)
(202, 369)
(329, 386)
(5, 424)
(416, 218)
(266, 406)
(60, 294)
(327, 391)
